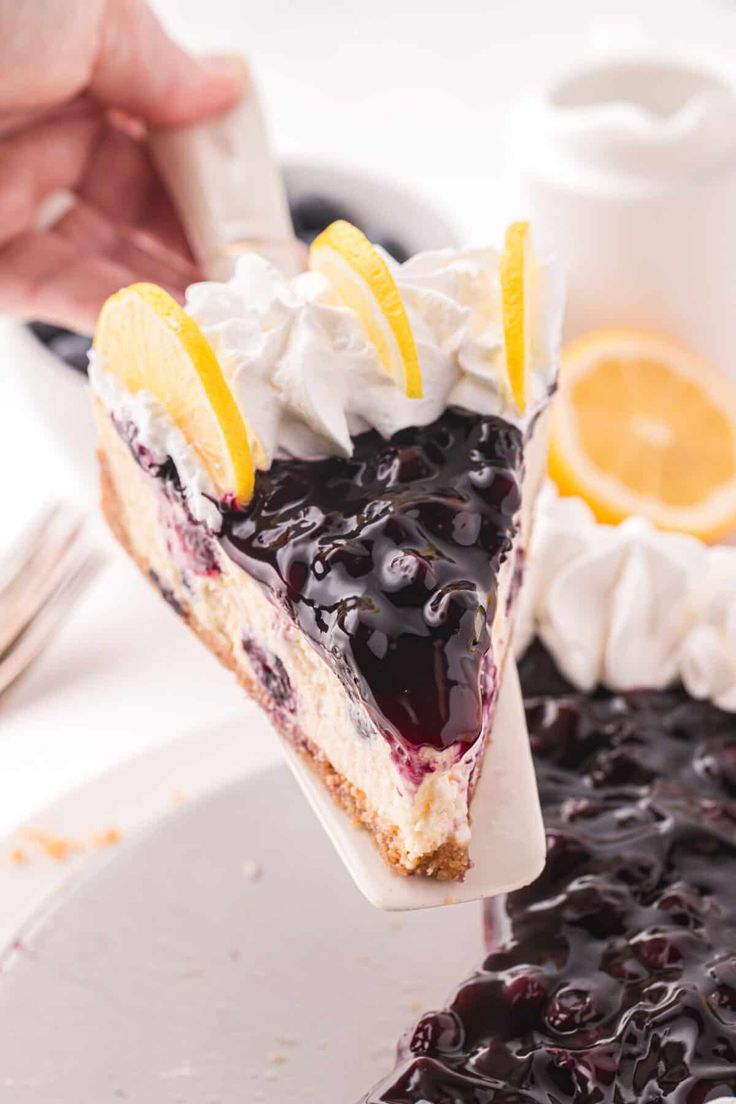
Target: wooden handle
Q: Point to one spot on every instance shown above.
(228, 190)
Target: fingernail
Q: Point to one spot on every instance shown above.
(231, 67)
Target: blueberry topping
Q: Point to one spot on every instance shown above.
(611, 979)
(388, 561)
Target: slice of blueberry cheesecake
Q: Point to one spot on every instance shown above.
(330, 478)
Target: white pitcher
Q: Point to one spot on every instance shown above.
(628, 170)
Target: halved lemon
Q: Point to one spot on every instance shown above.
(361, 279)
(151, 344)
(515, 271)
(641, 425)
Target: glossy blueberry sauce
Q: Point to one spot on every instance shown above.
(389, 560)
(611, 979)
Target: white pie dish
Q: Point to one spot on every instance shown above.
(200, 949)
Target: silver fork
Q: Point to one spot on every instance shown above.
(41, 579)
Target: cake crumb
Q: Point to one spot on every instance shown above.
(270, 1075)
(414, 1006)
(54, 847)
(177, 797)
(277, 1058)
(107, 838)
(252, 870)
(18, 856)
(449, 900)
(287, 1039)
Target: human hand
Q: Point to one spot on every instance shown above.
(79, 83)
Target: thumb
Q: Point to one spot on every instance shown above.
(140, 70)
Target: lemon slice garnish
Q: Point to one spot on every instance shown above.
(515, 269)
(641, 425)
(151, 344)
(361, 279)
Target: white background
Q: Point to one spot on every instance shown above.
(417, 90)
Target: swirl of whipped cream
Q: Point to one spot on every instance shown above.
(629, 606)
(307, 379)
(708, 658)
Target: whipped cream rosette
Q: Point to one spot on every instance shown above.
(629, 606)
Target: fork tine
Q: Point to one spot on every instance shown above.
(39, 548)
(30, 589)
(15, 558)
(29, 645)
(42, 540)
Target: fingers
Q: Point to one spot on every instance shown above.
(45, 275)
(86, 60)
(121, 229)
(93, 233)
(140, 69)
(45, 158)
(47, 51)
(53, 51)
(107, 168)
(121, 182)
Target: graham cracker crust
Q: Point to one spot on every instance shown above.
(449, 862)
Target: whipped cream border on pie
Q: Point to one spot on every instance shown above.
(629, 606)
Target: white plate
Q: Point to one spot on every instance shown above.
(143, 789)
(171, 973)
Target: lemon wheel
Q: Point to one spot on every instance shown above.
(515, 270)
(361, 279)
(641, 425)
(151, 344)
